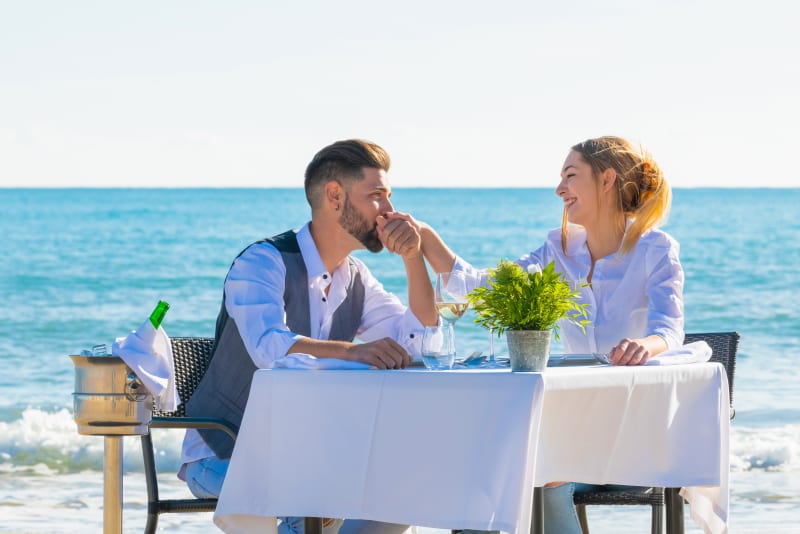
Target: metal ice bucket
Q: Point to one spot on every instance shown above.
(109, 399)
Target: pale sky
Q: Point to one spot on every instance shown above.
(233, 93)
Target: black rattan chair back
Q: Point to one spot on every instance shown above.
(192, 356)
(723, 350)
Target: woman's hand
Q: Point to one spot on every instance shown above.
(629, 352)
(438, 254)
(399, 234)
(636, 351)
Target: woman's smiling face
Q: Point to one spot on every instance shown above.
(578, 190)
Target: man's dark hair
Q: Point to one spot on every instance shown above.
(342, 162)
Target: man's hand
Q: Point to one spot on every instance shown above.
(400, 235)
(384, 353)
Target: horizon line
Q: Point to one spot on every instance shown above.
(245, 187)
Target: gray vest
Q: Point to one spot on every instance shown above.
(225, 387)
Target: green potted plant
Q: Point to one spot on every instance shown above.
(527, 306)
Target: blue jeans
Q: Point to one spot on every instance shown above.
(204, 478)
(560, 516)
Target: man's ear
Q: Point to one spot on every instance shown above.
(334, 194)
(609, 179)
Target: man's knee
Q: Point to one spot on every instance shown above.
(204, 477)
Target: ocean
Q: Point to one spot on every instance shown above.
(83, 266)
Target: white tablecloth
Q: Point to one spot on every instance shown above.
(646, 426)
(440, 449)
(464, 449)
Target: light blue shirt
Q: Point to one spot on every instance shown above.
(633, 295)
(254, 300)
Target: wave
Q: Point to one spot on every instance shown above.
(774, 448)
(41, 442)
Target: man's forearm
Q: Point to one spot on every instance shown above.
(420, 291)
(383, 353)
(321, 348)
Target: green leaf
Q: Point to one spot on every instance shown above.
(514, 299)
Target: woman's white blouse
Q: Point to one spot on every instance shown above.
(633, 295)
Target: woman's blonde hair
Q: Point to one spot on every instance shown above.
(643, 193)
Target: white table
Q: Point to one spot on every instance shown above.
(645, 426)
(463, 449)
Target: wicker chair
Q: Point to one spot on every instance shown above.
(191, 361)
(724, 346)
(192, 356)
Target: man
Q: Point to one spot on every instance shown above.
(302, 292)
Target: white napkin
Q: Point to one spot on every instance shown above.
(696, 352)
(298, 360)
(148, 352)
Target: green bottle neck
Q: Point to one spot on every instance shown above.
(158, 313)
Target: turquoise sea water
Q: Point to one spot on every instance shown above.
(82, 266)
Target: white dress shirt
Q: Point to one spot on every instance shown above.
(633, 295)
(254, 300)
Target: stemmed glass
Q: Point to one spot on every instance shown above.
(450, 297)
(491, 363)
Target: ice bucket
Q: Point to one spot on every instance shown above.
(109, 399)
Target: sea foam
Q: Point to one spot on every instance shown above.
(768, 448)
(45, 442)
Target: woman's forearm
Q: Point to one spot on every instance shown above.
(436, 251)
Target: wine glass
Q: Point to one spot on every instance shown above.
(491, 363)
(450, 296)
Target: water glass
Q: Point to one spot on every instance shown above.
(437, 350)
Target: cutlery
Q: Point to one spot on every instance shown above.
(603, 358)
(474, 359)
(579, 359)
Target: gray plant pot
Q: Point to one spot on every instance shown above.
(528, 349)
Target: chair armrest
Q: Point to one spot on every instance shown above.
(196, 422)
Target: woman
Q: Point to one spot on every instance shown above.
(614, 197)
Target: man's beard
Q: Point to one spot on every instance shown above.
(359, 227)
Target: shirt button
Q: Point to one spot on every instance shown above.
(325, 276)
(324, 299)
(411, 336)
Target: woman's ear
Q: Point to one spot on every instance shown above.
(609, 179)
